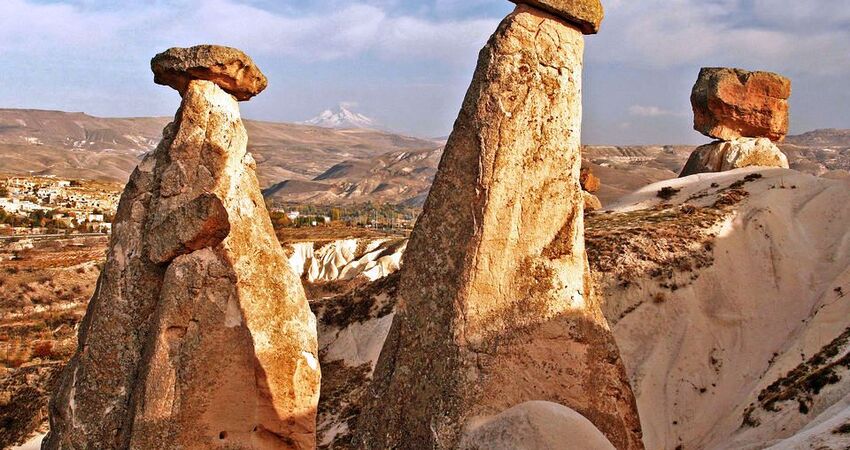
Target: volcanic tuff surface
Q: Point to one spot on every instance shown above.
(199, 334)
(720, 156)
(728, 300)
(665, 248)
(494, 286)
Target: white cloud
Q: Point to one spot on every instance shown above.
(759, 34)
(455, 41)
(350, 31)
(807, 16)
(653, 111)
(27, 26)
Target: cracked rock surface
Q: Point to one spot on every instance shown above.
(229, 68)
(734, 103)
(586, 15)
(720, 156)
(495, 304)
(198, 335)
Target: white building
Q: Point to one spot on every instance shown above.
(15, 206)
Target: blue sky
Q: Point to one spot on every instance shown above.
(407, 63)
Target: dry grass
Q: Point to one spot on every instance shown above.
(658, 242)
(655, 242)
(43, 296)
(802, 384)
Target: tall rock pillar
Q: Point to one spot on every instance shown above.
(198, 335)
(495, 302)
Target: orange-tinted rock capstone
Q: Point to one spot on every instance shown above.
(734, 103)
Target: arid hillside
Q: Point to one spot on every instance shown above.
(307, 164)
(76, 145)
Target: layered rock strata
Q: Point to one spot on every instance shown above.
(198, 335)
(496, 306)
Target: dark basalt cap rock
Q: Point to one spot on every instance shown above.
(585, 14)
(229, 68)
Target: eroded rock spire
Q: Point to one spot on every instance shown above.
(496, 307)
(199, 334)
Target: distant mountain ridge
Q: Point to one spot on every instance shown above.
(310, 164)
(78, 145)
(827, 137)
(402, 177)
(342, 118)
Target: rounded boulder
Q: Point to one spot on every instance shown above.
(229, 68)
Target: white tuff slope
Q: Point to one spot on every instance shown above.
(699, 355)
(346, 259)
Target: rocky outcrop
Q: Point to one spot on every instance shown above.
(591, 202)
(734, 103)
(590, 184)
(535, 425)
(495, 303)
(721, 156)
(346, 259)
(729, 305)
(586, 15)
(228, 67)
(199, 334)
(589, 181)
(745, 111)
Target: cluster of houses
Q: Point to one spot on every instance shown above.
(312, 220)
(75, 206)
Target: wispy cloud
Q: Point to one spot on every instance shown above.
(350, 31)
(653, 111)
(34, 27)
(412, 59)
(786, 35)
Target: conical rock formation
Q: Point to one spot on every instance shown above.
(198, 335)
(495, 302)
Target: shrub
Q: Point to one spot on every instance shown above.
(667, 192)
(42, 349)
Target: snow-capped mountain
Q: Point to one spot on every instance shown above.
(342, 117)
